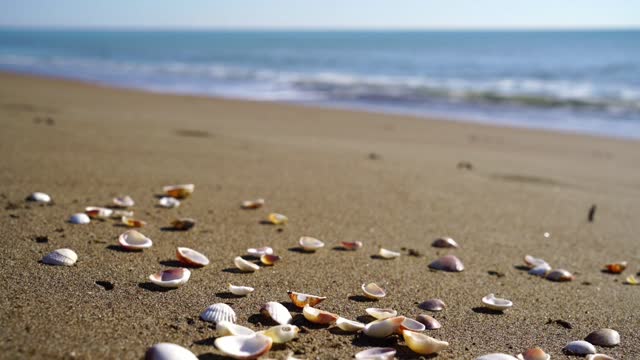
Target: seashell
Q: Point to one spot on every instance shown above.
(349, 325)
(377, 353)
(494, 303)
(80, 219)
(171, 278)
(381, 314)
(95, 212)
(300, 299)
(631, 280)
(307, 243)
(123, 201)
(388, 254)
(227, 328)
(62, 257)
(39, 197)
(244, 265)
(218, 312)
(534, 354)
(430, 323)
(560, 275)
(448, 263)
(423, 344)
(119, 213)
(616, 268)
(318, 316)
(540, 270)
(373, 291)
(168, 351)
(269, 260)
(411, 325)
(179, 191)
(444, 242)
(599, 357)
(433, 305)
(383, 328)
(604, 337)
(183, 224)
(134, 240)
(579, 347)
(168, 202)
(244, 346)
(131, 222)
(191, 257)
(533, 262)
(496, 356)
(277, 312)
(257, 252)
(253, 204)
(240, 290)
(281, 334)
(277, 219)
(354, 245)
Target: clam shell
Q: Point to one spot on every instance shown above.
(616, 268)
(281, 334)
(388, 254)
(240, 290)
(447, 263)
(433, 305)
(349, 325)
(119, 213)
(80, 219)
(540, 270)
(579, 347)
(532, 261)
(269, 260)
(96, 212)
(39, 197)
(183, 224)
(168, 351)
(307, 243)
(257, 252)
(244, 265)
(318, 316)
(171, 278)
(131, 222)
(252, 204)
(560, 275)
(123, 201)
(168, 202)
(604, 337)
(383, 328)
(61, 257)
(494, 303)
(277, 219)
(373, 291)
(430, 323)
(496, 356)
(218, 312)
(411, 325)
(191, 257)
(534, 354)
(444, 242)
(244, 346)
(227, 328)
(300, 299)
(134, 240)
(351, 245)
(423, 344)
(380, 313)
(179, 191)
(377, 353)
(277, 312)
(599, 357)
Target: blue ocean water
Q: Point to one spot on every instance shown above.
(581, 81)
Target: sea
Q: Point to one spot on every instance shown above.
(575, 81)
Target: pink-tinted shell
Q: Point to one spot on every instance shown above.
(449, 263)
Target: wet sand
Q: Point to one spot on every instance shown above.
(386, 180)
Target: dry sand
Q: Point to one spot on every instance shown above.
(313, 165)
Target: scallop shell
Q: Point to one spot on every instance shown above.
(388, 254)
(430, 323)
(168, 351)
(373, 291)
(131, 222)
(560, 275)
(218, 312)
(39, 197)
(616, 268)
(579, 347)
(604, 337)
(269, 260)
(444, 242)
(227, 328)
(257, 252)
(240, 290)
(494, 303)
(277, 312)
(183, 224)
(123, 201)
(383, 328)
(191, 257)
(307, 243)
(244, 265)
(171, 278)
(318, 316)
(168, 202)
(62, 257)
(411, 325)
(244, 346)
(252, 204)
(599, 357)
(423, 344)
(277, 219)
(349, 325)
(79, 219)
(447, 263)
(377, 353)
(134, 240)
(96, 212)
(532, 261)
(381, 314)
(540, 270)
(534, 354)
(351, 245)
(433, 305)
(496, 356)
(179, 191)
(300, 299)
(281, 334)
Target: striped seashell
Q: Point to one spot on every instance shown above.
(218, 312)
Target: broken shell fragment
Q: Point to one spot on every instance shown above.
(281, 334)
(123, 201)
(171, 278)
(447, 263)
(351, 245)
(277, 312)
(79, 219)
(433, 305)
(493, 303)
(560, 275)
(631, 280)
(134, 240)
(307, 243)
(183, 224)
(318, 316)
(496, 356)
(168, 202)
(430, 323)
(168, 351)
(599, 357)
(616, 268)
(579, 347)
(377, 353)
(119, 213)
(269, 260)
(383, 328)
(95, 212)
(252, 204)
(349, 325)
(534, 354)
(423, 344)
(191, 257)
(411, 325)
(540, 270)
(244, 265)
(218, 312)
(227, 328)
(388, 254)
(277, 219)
(301, 300)
(131, 222)
(444, 242)
(381, 314)
(39, 197)
(240, 290)
(257, 252)
(61, 257)
(179, 191)
(532, 261)
(244, 346)
(373, 291)
(604, 337)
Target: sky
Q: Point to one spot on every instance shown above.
(321, 14)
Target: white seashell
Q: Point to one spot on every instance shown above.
(579, 347)
(349, 325)
(63, 257)
(388, 254)
(430, 323)
(179, 191)
(39, 197)
(134, 240)
(119, 214)
(123, 201)
(604, 337)
(494, 303)
(277, 312)
(244, 265)
(277, 219)
(307, 243)
(540, 270)
(257, 252)
(423, 344)
(377, 353)
(168, 351)
(599, 357)
(227, 328)
(168, 202)
(171, 278)
(218, 312)
(252, 204)
(449, 263)
(318, 316)
(96, 212)
(281, 334)
(496, 356)
(131, 222)
(534, 354)
(381, 314)
(411, 325)
(300, 299)
(79, 218)
(191, 257)
(244, 346)
(444, 242)
(240, 290)
(532, 261)
(560, 275)
(383, 328)
(373, 291)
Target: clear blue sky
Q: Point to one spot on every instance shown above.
(378, 14)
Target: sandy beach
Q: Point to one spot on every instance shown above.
(388, 181)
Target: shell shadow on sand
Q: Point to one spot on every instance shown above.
(153, 287)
